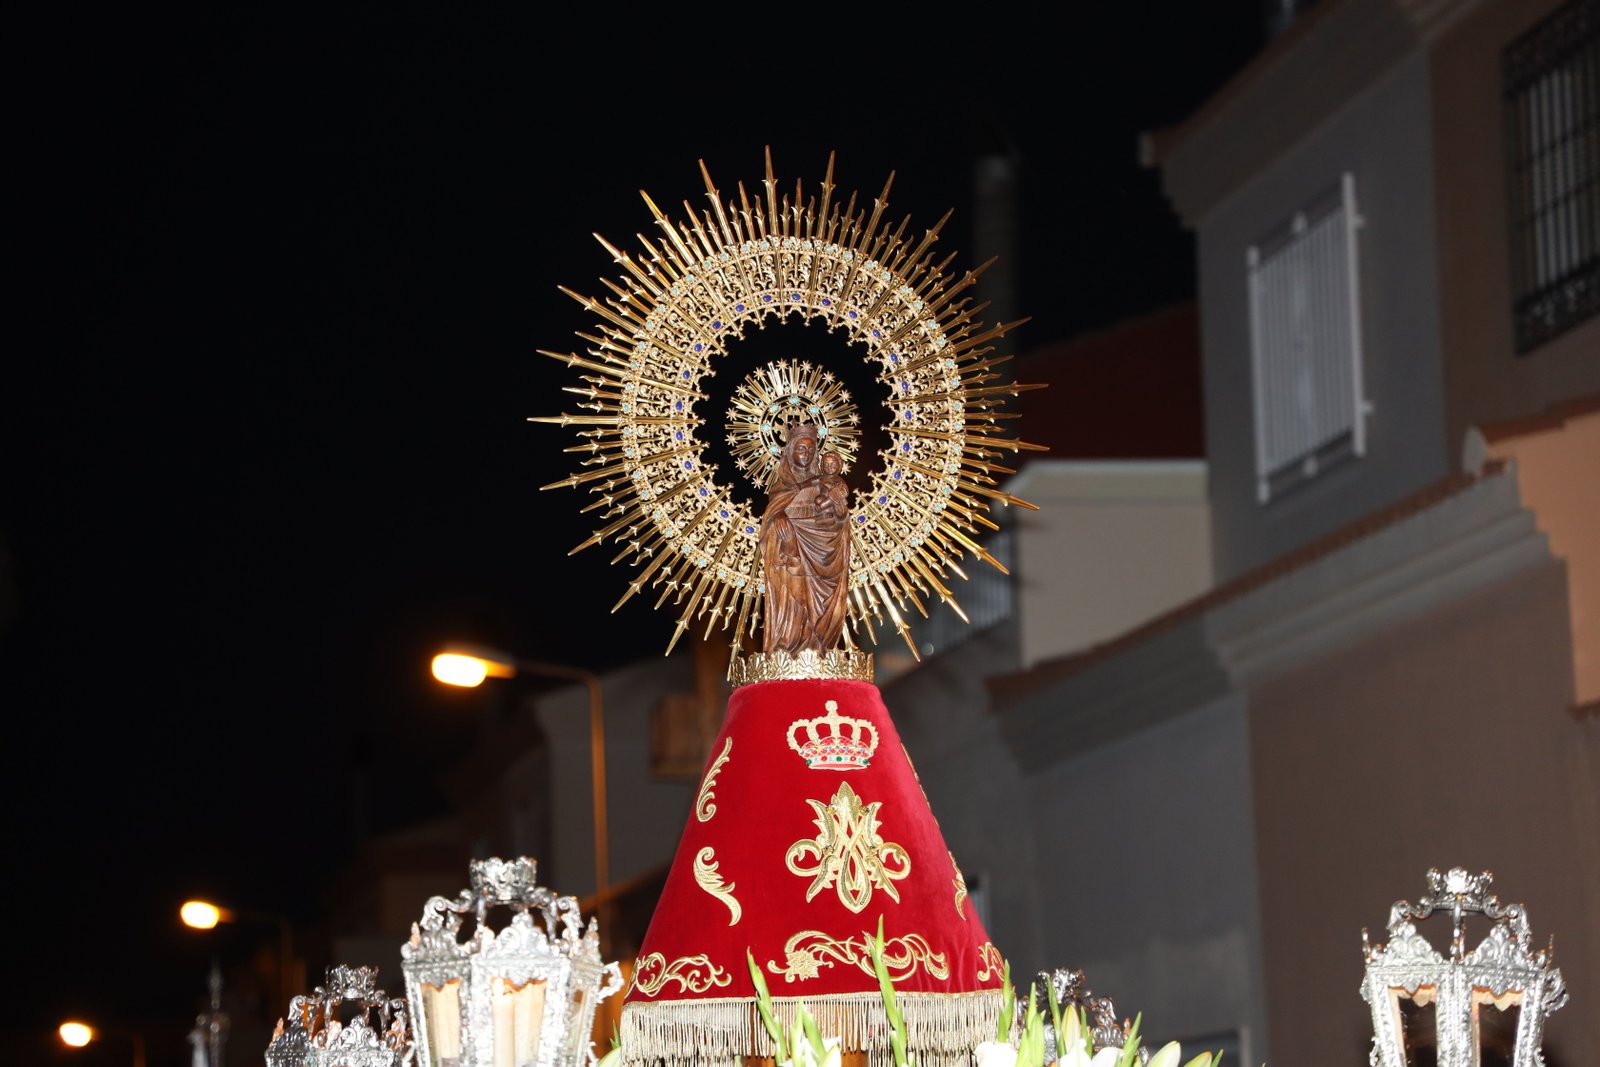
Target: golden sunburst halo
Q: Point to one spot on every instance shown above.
(685, 299)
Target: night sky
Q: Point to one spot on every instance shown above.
(266, 438)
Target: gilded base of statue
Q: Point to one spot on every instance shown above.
(839, 664)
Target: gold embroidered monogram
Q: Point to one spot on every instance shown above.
(990, 963)
(807, 952)
(703, 807)
(849, 853)
(695, 974)
(961, 886)
(706, 876)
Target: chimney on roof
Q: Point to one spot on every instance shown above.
(996, 206)
(1279, 15)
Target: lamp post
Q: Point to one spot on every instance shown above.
(468, 666)
(204, 915)
(78, 1034)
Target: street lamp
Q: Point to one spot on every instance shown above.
(78, 1034)
(469, 665)
(204, 915)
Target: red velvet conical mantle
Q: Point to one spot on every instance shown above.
(809, 827)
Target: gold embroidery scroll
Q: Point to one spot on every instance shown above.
(707, 878)
(961, 886)
(990, 963)
(694, 974)
(807, 952)
(849, 853)
(703, 807)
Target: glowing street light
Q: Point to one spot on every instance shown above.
(469, 665)
(204, 915)
(76, 1034)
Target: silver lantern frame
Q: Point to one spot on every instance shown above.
(1504, 966)
(314, 1035)
(561, 953)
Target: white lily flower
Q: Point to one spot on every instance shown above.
(996, 1054)
(1167, 1056)
(1106, 1057)
(610, 1059)
(1074, 1056)
(806, 1056)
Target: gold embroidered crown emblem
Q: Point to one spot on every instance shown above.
(834, 742)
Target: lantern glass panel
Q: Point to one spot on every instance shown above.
(1418, 1017)
(1494, 1026)
(443, 1019)
(575, 1034)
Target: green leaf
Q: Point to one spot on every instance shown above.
(1130, 1044)
(891, 1010)
(764, 1004)
(1008, 1004)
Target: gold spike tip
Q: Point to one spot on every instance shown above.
(686, 297)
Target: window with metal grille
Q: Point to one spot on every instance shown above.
(1305, 343)
(1551, 77)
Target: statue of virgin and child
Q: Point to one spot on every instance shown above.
(805, 546)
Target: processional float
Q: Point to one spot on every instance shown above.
(811, 879)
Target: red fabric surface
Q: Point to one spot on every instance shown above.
(752, 811)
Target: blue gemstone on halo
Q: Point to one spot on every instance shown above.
(861, 518)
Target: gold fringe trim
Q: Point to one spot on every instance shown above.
(839, 664)
(942, 1029)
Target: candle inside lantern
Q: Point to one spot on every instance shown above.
(443, 1007)
(518, 1020)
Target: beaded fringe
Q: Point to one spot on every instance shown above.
(942, 1029)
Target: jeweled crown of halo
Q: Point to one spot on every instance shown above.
(834, 741)
(686, 299)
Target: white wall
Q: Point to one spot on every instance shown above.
(1113, 545)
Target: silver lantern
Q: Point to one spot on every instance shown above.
(523, 996)
(1483, 1008)
(316, 1034)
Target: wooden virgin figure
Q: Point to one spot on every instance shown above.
(805, 546)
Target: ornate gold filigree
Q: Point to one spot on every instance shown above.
(687, 299)
(694, 974)
(839, 664)
(707, 878)
(961, 886)
(806, 953)
(990, 963)
(703, 807)
(849, 853)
